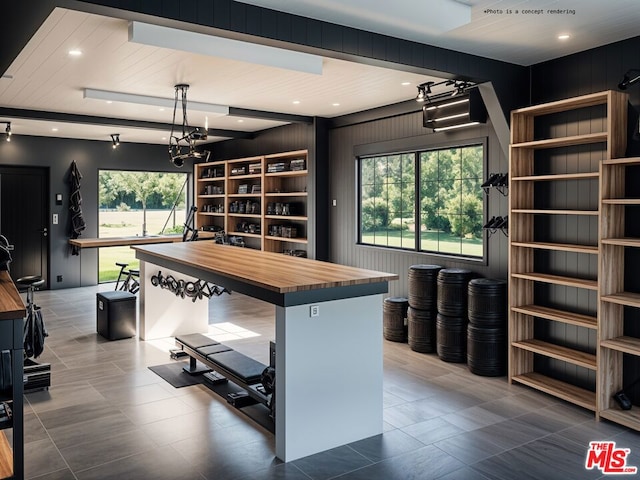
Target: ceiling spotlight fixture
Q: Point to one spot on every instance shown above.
(465, 110)
(632, 76)
(564, 36)
(75, 52)
(424, 90)
(115, 140)
(7, 131)
(179, 153)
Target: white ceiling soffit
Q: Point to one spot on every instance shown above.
(212, 109)
(433, 16)
(200, 43)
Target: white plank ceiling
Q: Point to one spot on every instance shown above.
(45, 78)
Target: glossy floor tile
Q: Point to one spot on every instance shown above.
(107, 416)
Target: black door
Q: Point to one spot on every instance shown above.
(23, 219)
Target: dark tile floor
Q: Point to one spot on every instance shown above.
(107, 416)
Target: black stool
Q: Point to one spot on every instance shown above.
(30, 283)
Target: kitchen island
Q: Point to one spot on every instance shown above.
(328, 333)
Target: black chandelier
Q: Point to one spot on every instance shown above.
(183, 147)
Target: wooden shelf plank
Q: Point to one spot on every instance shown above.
(288, 173)
(219, 195)
(243, 177)
(598, 98)
(287, 194)
(244, 215)
(558, 280)
(575, 357)
(622, 161)
(565, 247)
(211, 214)
(559, 176)
(623, 298)
(285, 239)
(623, 242)
(243, 234)
(255, 195)
(556, 315)
(564, 141)
(621, 201)
(211, 179)
(624, 344)
(554, 212)
(287, 217)
(628, 418)
(557, 388)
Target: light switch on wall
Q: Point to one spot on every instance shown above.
(55, 218)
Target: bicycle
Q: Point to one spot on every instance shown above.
(131, 282)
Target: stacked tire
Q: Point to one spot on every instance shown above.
(451, 321)
(421, 315)
(487, 330)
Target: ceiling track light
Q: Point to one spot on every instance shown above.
(631, 77)
(115, 140)
(7, 131)
(459, 87)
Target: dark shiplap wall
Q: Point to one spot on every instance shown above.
(343, 217)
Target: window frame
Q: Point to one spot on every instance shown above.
(387, 149)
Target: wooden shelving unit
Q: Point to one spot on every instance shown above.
(261, 193)
(525, 309)
(614, 342)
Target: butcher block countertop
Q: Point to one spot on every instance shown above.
(11, 304)
(275, 272)
(123, 241)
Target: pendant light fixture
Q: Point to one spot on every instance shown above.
(7, 131)
(182, 143)
(115, 140)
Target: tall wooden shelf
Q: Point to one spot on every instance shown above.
(524, 243)
(614, 343)
(263, 184)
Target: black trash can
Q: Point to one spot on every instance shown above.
(116, 314)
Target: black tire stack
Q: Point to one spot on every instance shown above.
(451, 322)
(394, 315)
(487, 330)
(421, 316)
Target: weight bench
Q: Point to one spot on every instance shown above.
(235, 366)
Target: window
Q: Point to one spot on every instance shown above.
(135, 204)
(428, 200)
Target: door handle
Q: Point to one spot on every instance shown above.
(44, 232)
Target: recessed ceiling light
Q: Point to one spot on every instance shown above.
(335, 104)
(161, 109)
(404, 84)
(109, 101)
(296, 102)
(54, 129)
(564, 36)
(164, 138)
(75, 52)
(240, 121)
